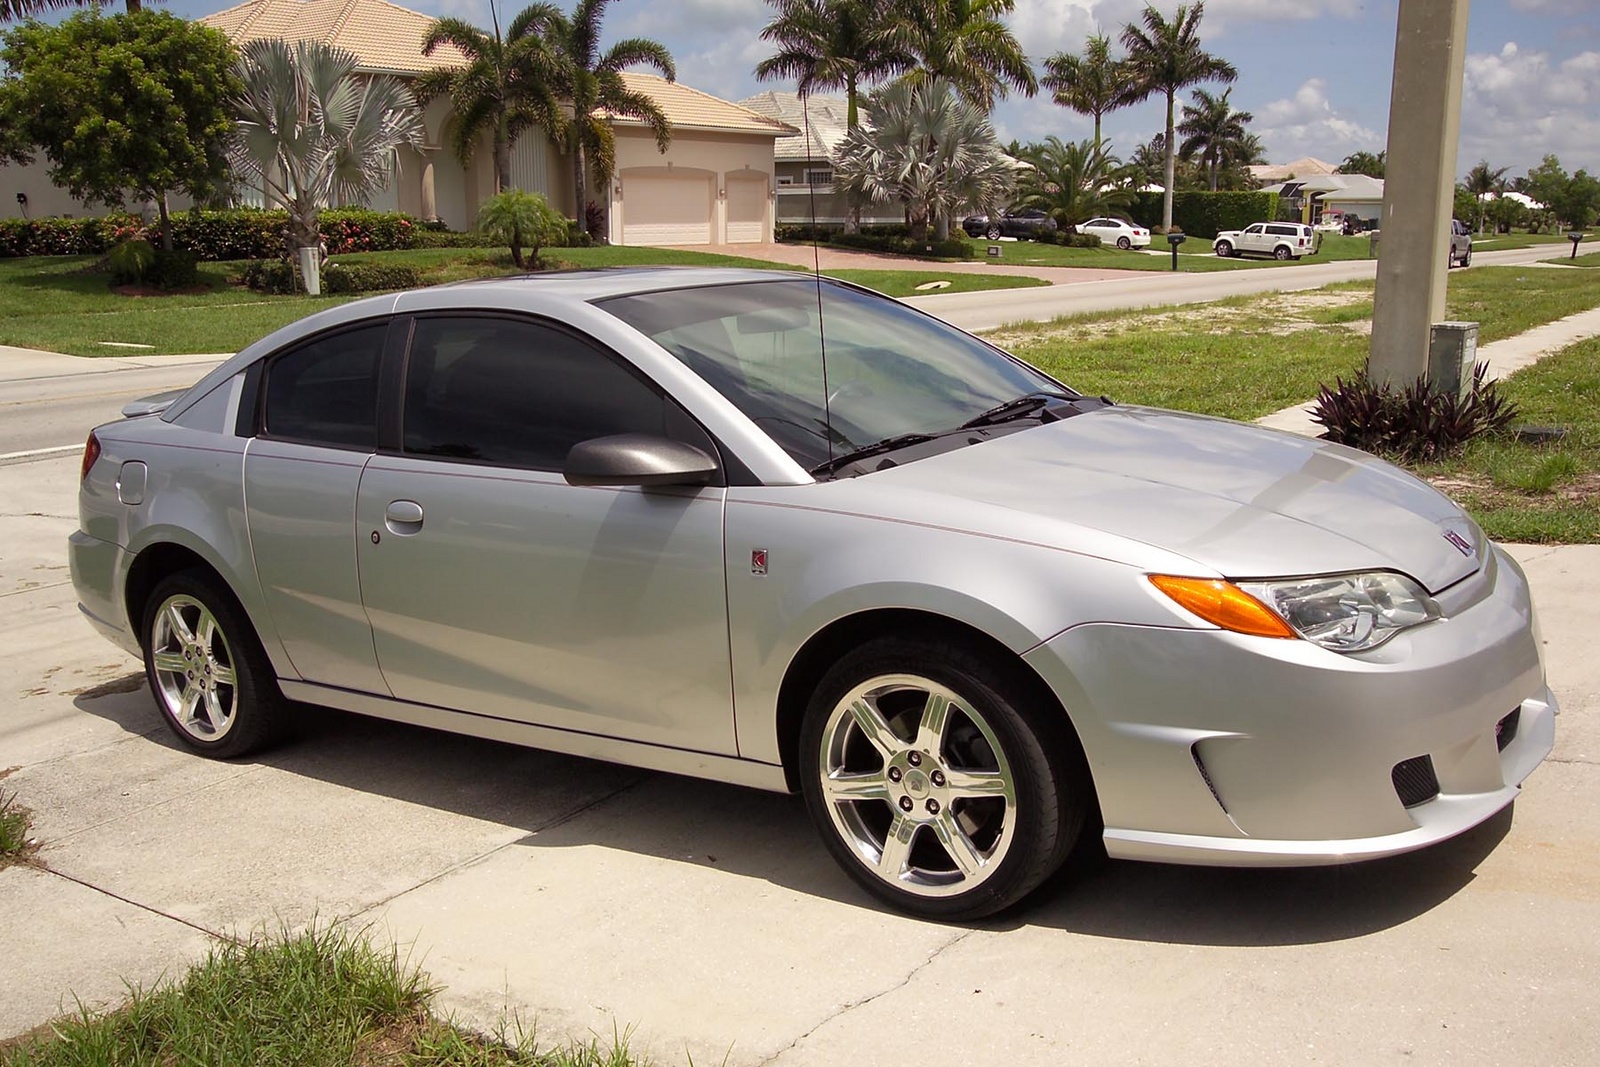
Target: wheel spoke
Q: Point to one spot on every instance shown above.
(935, 716)
(187, 701)
(215, 713)
(875, 728)
(896, 854)
(977, 784)
(956, 842)
(842, 787)
(170, 661)
(221, 674)
(206, 629)
(179, 625)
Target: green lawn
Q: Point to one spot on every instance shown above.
(1520, 491)
(1194, 255)
(56, 304)
(1491, 242)
(1588, 259)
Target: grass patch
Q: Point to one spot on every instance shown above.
(15, 822)
(320, 998)
(1539, 493)
(905, 282)
(1588, 259)
(1492, 242)
(1506, 301)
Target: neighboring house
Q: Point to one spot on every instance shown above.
(714, 183)
(1305, 167)
(804, 160)
(1349, 194)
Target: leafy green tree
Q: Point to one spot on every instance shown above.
(1091, 84)
(1167, 58)
(516, 218)
(503, 88)
(1574, 200)
(1074, 181)
(312, 132)
(1212, 128)
(591, 81)
(1482, 180)
(1369, 163)
(925, 147)
(124, 106)
(965, 43)
(832, 44)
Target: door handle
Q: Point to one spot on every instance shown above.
(403, 517)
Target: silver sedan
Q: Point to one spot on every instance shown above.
(781, 531)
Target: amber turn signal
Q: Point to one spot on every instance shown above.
(1223, 604)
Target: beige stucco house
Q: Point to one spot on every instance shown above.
(714, 184)
(804, 160)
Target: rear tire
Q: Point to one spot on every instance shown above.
(210, 678)
(938, 781)
(993, 233)
(1124, 244)
(1281, 253)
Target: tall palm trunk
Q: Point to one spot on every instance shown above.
(579, 190)
(1172, 168)
(852, 222)
(502, 159)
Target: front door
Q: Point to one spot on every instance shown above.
(496, 588)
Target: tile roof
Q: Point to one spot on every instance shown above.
(695, 110)
(383, 36)
(824, 116)
(1304, 167)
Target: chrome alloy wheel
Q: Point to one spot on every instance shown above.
(917, 785)
(193, 668)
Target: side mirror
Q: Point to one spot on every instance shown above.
(638, 459)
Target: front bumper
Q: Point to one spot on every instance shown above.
(1215, 748)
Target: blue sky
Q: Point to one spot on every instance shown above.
(1315, 73)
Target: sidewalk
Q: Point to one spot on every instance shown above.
(1504, 357)
(26, 364)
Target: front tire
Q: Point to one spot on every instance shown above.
(1224, 249)
(212, 682)
(937, 780)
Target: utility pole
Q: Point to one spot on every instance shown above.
(1419, 186)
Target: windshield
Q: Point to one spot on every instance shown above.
(890, 371)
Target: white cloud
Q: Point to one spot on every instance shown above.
(1555, 7)
(1518, 105)
(1306, 124)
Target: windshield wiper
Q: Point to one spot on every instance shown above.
(877, 448)
(1018, 408)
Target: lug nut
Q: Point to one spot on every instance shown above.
(933, 807)
(894, 774)
(914, 758)
(905, 803)
(937, 777)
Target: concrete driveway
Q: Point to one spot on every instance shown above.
(591, 898)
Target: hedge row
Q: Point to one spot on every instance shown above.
(278, 276)
(892, 238)
(1201, 213)
(210, 235)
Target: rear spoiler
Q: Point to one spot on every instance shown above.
(152, 405)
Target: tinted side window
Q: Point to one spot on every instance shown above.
(516, 393)
(326, 392)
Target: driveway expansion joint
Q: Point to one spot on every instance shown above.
(44, 867)
(861, 1002)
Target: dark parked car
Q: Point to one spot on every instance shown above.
(1028, 223)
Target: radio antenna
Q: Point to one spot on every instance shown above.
(816, 273)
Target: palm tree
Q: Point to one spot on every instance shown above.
(503, 88)
(13, 10)
(591, 81)
(312, 133)
(1166, 58)
(1247, 152)
(832, 44)
(1074, 180)
(964, 43)
(515, 218)
(1092, 84)
(926, 148)
(1482, 180)
(1368, 163)
(1212, 128)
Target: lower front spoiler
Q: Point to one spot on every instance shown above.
(1440, 819)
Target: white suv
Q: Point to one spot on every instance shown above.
(1280, 240)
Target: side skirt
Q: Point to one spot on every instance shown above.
(591, 746)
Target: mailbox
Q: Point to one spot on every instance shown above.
(1575, 236)
(1175, 239)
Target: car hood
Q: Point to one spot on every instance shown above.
(1245, 501)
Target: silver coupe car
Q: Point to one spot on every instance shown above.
(781, 531)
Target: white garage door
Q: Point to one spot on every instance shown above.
(747, 210)
(666, 211)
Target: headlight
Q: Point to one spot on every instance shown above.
(1347, 612)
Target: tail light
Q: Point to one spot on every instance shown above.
(91, 452)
